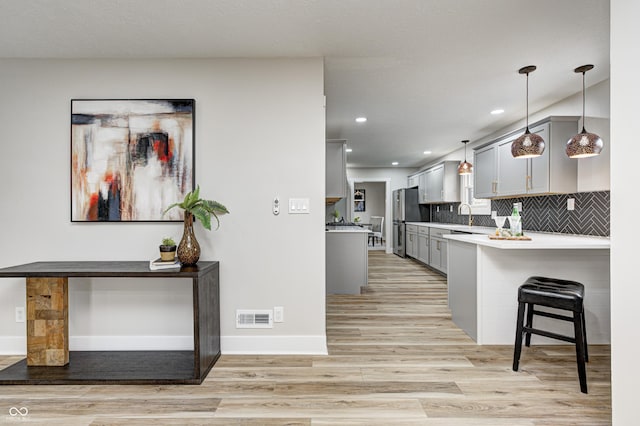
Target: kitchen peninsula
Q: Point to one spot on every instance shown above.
(484, 276)
(346, 258)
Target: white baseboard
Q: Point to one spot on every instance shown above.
(254, 345)
(130, 343)
(13, 345)
(18, 345)
(274, 345)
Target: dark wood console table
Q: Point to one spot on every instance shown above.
(50, 362)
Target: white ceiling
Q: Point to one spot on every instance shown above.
(426, 73)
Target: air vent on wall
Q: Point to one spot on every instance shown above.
(254, 318)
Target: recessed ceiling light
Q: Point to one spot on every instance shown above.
(395, 163)
(361, 119)
(427, 152)
(349, 150)
(497, 111)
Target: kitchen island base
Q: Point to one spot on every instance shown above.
(347, 260)
(483, 287)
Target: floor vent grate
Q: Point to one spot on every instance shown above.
(254, 318)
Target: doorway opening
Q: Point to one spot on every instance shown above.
(368, 203)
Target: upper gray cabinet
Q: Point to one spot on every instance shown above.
(413, 181)
(498, 174)
(336, 171)
(439, 184)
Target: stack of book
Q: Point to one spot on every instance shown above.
(164, 264)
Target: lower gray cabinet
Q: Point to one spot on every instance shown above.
(423, 245)
(438, 249)
(412, 244)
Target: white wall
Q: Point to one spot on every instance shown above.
(258, 122)
(625, 291)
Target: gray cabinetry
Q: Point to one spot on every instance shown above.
(498, 174)
(346, 261)
(485, 166)
(413, 181)
(336, 171)
(423, 244)
(412, 241)
(462, 287)
(422, 188)
(439, 184)
(438, 249)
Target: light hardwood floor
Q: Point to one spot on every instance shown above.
(395, 358)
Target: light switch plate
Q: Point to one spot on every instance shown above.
(298, 206)
(571, 204)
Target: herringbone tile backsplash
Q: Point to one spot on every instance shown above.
(547, 213)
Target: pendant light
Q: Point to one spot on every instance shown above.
(529, 144)
(584, 144)
(465, 168)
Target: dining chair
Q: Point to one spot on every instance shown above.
(377, 223)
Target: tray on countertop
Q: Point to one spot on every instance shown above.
(520, 238)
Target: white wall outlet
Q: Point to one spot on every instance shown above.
(518, 206)
(450, 208)
(571, 204)
(278, 314)
(494, 214)
(437, 208)
(19, 314)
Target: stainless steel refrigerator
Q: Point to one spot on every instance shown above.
(405, 209)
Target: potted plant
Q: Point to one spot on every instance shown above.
(195, 208)
(168, 249)
(336, 215)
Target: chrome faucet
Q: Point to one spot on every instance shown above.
(469, 208)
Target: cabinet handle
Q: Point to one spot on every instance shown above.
(527, 183)
(494, 187)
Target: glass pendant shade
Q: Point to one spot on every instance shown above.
(528, 145)
(465, 168)
(584, 144)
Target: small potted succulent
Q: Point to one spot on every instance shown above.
(168, 249)
(336, 215)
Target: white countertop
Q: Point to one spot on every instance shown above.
(347, 229)
(539, 240)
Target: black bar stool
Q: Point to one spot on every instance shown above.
(559, 294)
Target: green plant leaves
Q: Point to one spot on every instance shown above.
(201, 209)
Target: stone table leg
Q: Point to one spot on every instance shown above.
(47, 321)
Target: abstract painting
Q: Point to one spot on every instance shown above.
(130, 158)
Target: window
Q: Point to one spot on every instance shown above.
(478, 205)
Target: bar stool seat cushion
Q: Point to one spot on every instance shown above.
(552, 292)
